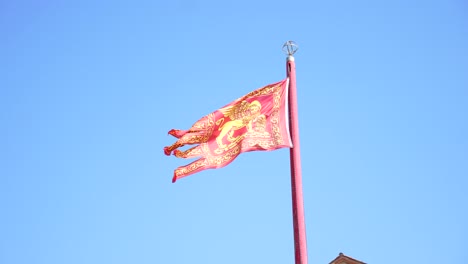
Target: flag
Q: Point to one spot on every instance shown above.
(256, 121)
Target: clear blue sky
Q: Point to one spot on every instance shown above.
(89, 89)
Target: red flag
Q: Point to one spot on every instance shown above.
(256, 121)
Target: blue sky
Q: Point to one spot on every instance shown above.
(89, 89)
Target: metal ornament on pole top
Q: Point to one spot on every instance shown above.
(290, 47)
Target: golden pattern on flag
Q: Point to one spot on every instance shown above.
(256, 121)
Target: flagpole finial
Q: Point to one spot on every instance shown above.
(290, 47)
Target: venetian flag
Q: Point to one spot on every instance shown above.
(256, 121)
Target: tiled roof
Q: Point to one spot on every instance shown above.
(348, 260)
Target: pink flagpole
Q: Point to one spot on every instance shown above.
(300, 242)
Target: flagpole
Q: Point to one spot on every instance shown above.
(300, 241)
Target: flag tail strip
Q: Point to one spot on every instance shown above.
(197, 134)
(189, 153)
(177, 133)
(205, 163)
